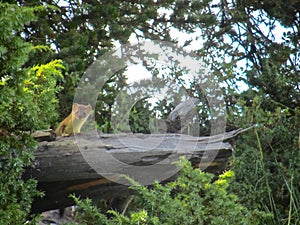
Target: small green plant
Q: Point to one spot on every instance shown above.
(194, 198)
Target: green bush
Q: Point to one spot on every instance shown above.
(194, 198)
(27, 103)
(266, 161)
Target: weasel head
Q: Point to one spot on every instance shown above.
(81, 111)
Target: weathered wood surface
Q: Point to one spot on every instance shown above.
(61, 169)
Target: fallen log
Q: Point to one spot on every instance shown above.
(63, 166)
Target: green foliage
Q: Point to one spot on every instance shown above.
(86, 213)
(41, 85)
(28, 98)
(27, 103)
(16, 194)
(139, 118)
(273, 152)
(13, 50)
(81, 32)
(106, 101)
(194, 198)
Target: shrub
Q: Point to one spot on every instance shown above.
(27, 103)
(194, 198)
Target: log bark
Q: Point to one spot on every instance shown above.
(61, 167)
